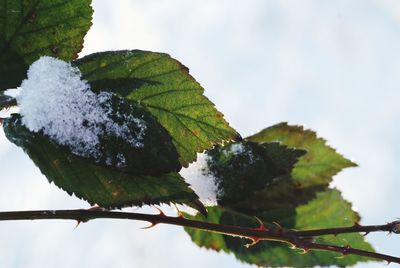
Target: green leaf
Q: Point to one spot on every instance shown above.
(296, 199)
(281, 194)
(96, 184)
(164, 87)
(158, 154)
(247, 167)
(320, 163)
(327, 209)
(30, 29)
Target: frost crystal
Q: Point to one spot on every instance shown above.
(202, 180)
(55, 100)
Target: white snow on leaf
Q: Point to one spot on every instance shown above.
(202, 181)
(237, 148)
(55, 100)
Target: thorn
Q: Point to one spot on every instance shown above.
(161, 213)
(77, 224)
(262, 226)
(96, 208)
(254, 241)
(356, 224)
(280, 228)
(83, 220)
(180, 215)
(366, 233)
(303, 251)
(150, 226)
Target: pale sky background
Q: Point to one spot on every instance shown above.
(333, 66)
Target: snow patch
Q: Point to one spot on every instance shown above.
(202, 180)
(237, 148)
(55, 100)
(240, 149)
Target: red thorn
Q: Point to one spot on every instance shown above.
(254, 241)
(150, 226)
(262, 226)
(161, 213)
(304, 251)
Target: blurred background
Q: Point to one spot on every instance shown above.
(332, 66)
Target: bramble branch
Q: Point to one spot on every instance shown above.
(391, 227)
(296, 239)
(347, 250)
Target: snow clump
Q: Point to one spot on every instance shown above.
(54, 99)
(237, 148)
(202, 181)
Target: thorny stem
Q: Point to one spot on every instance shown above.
(297, 239)
(391, 227)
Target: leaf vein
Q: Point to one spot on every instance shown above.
(168, 92)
